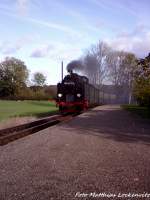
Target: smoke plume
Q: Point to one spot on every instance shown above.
(75, 65)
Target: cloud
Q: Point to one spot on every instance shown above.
(136, 41)
(57, 26)
(48, 24)
(57, 52)
(115, 6)
(42, 51)
(22, 6)
(67, 54)
(8, 47)
(82, 18)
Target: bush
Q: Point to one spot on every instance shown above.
(142, 93)
(29, 94)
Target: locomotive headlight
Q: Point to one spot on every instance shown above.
(59, 95)
(78, 95)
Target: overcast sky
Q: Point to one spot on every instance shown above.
(44, 32)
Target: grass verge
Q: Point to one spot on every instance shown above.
(9, 109)
(139, 110)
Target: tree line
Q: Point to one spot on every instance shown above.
(15, 84)
(129, 75)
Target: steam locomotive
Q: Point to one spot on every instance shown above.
(75, 94)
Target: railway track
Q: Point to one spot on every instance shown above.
(10, 134)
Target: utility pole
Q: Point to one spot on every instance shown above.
(130, 87)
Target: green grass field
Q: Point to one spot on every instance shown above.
(142, 111)
(10, 109)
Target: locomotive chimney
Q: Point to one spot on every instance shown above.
(62, 71)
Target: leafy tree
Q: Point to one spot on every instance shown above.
(95, 63)
(142, 82)
(13, 76)
(121, 67)
(102, 63)
(39, 79)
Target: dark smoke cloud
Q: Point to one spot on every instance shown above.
(75, 65)
(83, 67)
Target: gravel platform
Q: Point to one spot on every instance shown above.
(101, 154)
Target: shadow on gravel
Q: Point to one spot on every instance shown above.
(114, 124)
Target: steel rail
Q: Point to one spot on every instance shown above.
(10, 134)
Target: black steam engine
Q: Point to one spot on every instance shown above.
(75, 94)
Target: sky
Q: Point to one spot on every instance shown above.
(42, 33)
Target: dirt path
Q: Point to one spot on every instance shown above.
(106, 150)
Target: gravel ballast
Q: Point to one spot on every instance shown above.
(105, 150)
